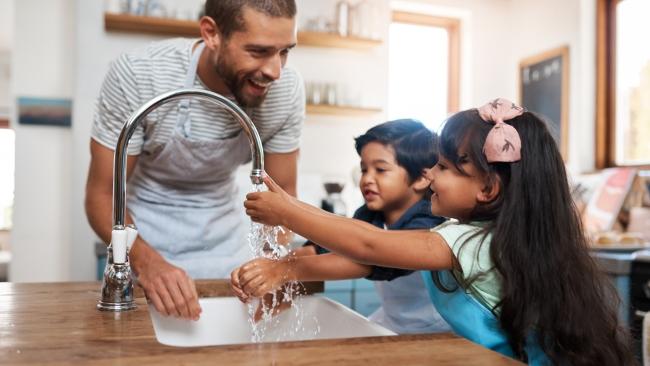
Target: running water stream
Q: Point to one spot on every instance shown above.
(263, 242)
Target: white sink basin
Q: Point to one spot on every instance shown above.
(224, 320)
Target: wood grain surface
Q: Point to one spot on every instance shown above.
(57, 324)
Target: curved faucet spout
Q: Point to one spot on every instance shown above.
(119, 164)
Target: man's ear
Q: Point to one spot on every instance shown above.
(490, 191)
(210, 33)
(421, 184)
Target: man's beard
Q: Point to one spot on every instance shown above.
(236, 85)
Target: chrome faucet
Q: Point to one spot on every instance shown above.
(117, 286)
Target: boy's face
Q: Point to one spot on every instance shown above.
(384, 184)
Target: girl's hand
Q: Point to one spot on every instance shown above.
(267, 207)
(235, 286)
(261, 276)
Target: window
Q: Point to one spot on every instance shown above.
(423, 68)
(623, 83)
(6, 147)
(7, 140)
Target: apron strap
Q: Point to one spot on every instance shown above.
(184, 105)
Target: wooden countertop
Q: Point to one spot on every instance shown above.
(57, 323)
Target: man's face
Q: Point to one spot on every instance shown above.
(250, 60)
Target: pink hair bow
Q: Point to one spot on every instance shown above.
(502, 143)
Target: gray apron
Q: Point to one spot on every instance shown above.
(183, 197)
(406, 307)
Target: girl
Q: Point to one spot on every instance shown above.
(513, 272)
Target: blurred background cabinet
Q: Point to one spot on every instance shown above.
(359, 295)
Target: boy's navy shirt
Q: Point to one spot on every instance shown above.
(418, 216)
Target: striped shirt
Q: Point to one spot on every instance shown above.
(138, 76)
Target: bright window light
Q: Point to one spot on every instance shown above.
(7, 142)
(632, 83)
(418, 73)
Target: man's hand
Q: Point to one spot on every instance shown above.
(169, 288)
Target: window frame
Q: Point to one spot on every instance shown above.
(452, 26)
(605, 144)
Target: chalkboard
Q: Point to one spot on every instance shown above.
(543, 88)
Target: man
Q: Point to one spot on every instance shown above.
(182, 159)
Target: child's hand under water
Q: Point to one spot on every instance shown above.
(271, 304)
(261, 276)
(235, 286)
(266, 207)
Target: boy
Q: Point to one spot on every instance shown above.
(394, 156)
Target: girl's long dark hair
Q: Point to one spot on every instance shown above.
(550, 285)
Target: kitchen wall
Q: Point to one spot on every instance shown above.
(6, 43)
(43, 65)
(51, 238)
(6, 24)
(537, 26)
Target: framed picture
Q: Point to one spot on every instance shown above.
(44, 111)
(544, 89)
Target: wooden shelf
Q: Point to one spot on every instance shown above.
(320, 39)
(341, 110)
(150, 25)
(190, 28)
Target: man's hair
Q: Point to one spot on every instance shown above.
(415, 145)
(228, 14)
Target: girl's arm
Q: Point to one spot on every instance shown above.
(360, 241)
(304, 250)
(262, 275)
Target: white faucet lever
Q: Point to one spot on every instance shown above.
(118, 243)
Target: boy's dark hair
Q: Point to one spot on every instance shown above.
(227, 14)
(415, 145)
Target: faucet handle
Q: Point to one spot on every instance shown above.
(118, 243)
